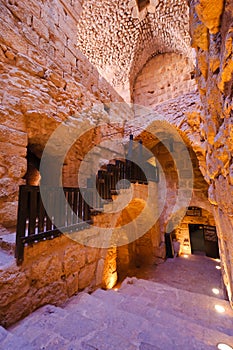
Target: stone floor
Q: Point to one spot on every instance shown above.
(195, 273)
(174, 310)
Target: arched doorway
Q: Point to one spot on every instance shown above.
(204, 240)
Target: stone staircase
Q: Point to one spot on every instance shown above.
(7, 248)
(141, 315)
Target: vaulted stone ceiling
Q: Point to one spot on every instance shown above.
(119, 39)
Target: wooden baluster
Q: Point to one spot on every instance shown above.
(41, 214)
(80, 206)
(75, 206)
(32, 211)
(140, 162)
(49, 205)
(70, 207)
(86, 208)
(21, 222)
(63, 207)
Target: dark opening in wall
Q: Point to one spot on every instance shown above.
(33, 164)
(142, 4)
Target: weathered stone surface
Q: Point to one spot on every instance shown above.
(13, 285)
(74, 259)
(210, 13)
(164, 77)
(40, 85)
(217, 101)
(133, 37)
(86, 275)
(45, 271)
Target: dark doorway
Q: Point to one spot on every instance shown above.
(197, 239)
(204, 240)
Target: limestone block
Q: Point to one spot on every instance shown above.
(50, 13)
(74, 259)
(17, 167)
(67, 12)
(45, 271)
(14, 120)
(10, 36)
(99, 272)
(8, 212)
(18, 9)
(27, 64)
(9, 150)
(72, 284)
(54, 293)
(70, 57)
(226, 74)
(30, 35)
(91, 254)
(15, 137)
(203, 64)
(13, 285)
(40, 28)
(210, 13)
(86, 276)
(55, 78)
(7, 187)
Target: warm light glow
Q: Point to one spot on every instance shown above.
(215, 291)
(219, 308)
(116, 289)
(218, 267)
(185, 256)
(218, 260)
(222, 346)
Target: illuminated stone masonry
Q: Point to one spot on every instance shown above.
(119, 39)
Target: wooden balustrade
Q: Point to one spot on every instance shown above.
(40, 220)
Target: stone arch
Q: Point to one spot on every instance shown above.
(165, 76)
(121, 49)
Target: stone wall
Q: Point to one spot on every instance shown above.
(211, 30)
(54, 270)
(137, 244)
(119, 40)
(173, 182)
(164, 77)
(45, 80)
(51, 272)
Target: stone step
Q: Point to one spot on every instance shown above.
(196, 307)
(118, 329)
(81, 324)
(6, 260)
(135, 317)
(200, 336)
(9, 341)
(7, 242)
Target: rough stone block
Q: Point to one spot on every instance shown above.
(45, 271)
(74, 259)
(13, 285)
(40, 28)
(86, 275)
(27, 64)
